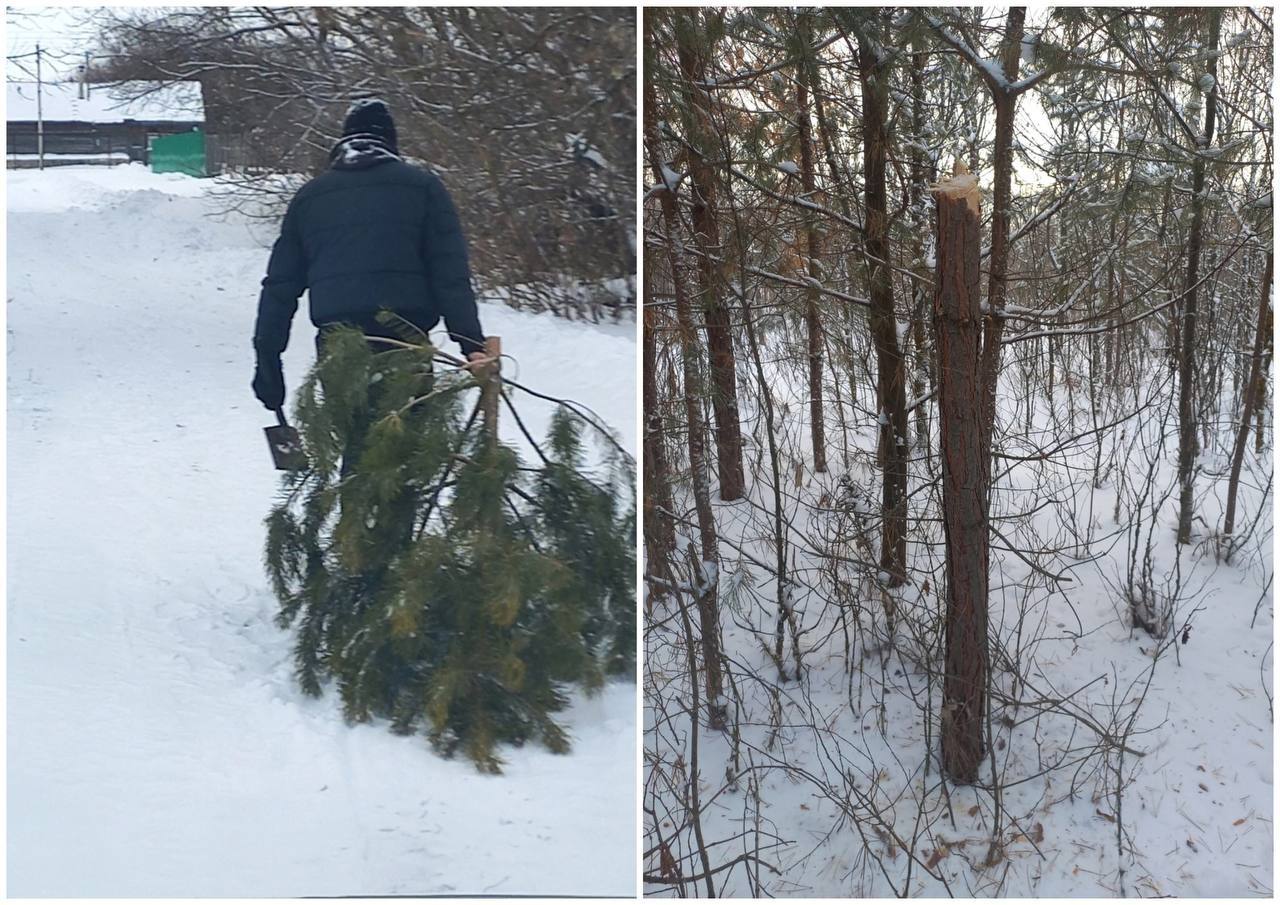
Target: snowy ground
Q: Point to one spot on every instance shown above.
(157, 744)
(1196, 811)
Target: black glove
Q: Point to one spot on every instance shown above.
(268, 382)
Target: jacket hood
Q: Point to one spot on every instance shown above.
(359, 152)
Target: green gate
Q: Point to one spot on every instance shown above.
(182, 152)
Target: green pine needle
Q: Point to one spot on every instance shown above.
(437, 581)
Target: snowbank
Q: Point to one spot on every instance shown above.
(831, 779)
(92, 187)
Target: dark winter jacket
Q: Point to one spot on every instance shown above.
(371, 233)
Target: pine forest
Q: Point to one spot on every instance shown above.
(957, 486)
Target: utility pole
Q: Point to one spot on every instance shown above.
(39, 112)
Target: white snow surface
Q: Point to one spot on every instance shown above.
(1198, 805)
(158, 745)
(112, 157)
(670, 178)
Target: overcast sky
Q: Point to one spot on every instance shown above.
(63, 32)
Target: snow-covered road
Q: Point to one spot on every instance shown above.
(157, 745)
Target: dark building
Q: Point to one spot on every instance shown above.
(112, 124)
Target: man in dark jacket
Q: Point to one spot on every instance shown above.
(370, 233)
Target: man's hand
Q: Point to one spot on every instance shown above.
(268, 382)
(478, 361)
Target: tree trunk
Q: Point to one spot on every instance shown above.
(1248, 403)
(1002, 178)
(1260, 403)
(708, 596)
(782, 583)
(1260, 433)
(890, 381)
(921, 176)
(837, 176)
(706, 229)
(957, 318)
(659, 532)
(813, 243)
(1187, 328)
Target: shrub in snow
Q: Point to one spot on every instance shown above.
(436, 580)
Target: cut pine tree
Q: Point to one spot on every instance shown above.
(957, 317)
(436, 580)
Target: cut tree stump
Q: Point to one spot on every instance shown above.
(957, 319)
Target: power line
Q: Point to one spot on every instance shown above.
(24, 69)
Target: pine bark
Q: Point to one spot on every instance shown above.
(659, 532)
(1260, 409)
(813, 243)
(706, 229)
(1187, 327)
(957, 318)
(890, 371)
(1249, 401)
(921, 174)
(708, 595)
(998, 262)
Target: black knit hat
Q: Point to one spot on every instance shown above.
(370, 116)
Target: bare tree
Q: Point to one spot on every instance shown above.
(527, 113)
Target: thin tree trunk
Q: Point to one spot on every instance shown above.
(957, 318)
(837, 176)
(659, 532)
(1260, 432)
(1260, 406)
(1247, 404)
(998, 279)
(813, 243)
(782, 584)
(921, 175)
(708, 593)
(724, 381)
(890, 380)
(1187, 349)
